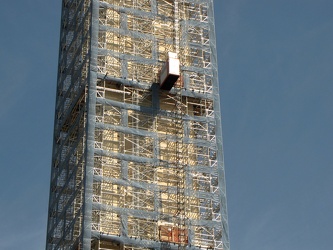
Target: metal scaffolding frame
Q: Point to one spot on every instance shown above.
(134, 166)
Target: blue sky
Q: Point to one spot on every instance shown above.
(275, 68)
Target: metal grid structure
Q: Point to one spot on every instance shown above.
(134, 166)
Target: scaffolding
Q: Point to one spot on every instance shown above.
(135, 166)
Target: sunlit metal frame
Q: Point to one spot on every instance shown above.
(125, 152)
